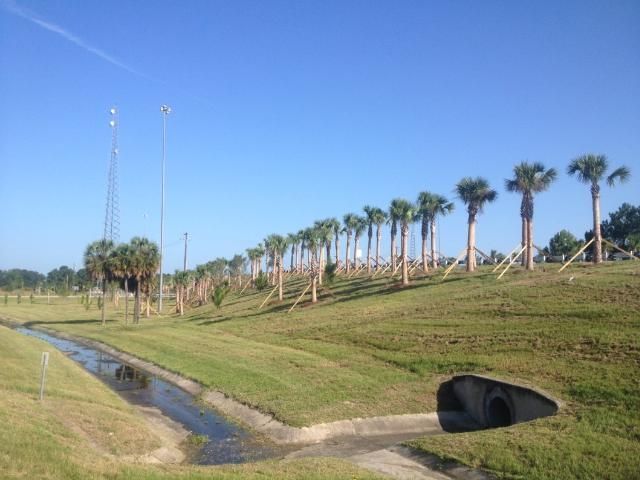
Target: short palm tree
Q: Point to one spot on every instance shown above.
(404, 212)
(591, 169)
(350, 221)
(529, 179)
(474, 193)
(121, 266)
(144, 266)
(97, 258)
(181, 280)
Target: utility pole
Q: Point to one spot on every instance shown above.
(166, 110)
(186, 239)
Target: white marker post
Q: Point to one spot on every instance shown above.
(44, 362)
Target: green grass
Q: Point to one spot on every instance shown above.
(369, 348)
(82, 428)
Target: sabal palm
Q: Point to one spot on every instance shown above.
(144, 265)
(404, 212)
(359, 227)
(325, 234)
(292, 240)
(121, 266)
(181, 280)
(278, 245)
(313, 242)
(336, 227)
(438, 205)
(393, 217)
(474, 193)
(591, 169)
(375, 216)
(350, 221)
(529, 179)
(97, 263)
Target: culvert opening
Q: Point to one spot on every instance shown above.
(498, 413)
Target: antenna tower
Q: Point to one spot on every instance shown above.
(112, 210)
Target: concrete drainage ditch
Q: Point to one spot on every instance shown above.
(495, 403)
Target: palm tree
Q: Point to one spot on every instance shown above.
(278, 245)
(591, 169)
(405, 213)
(144, 265)
(292, 239)
(303, 244)
(335, 225)
(358, 228)
(97, 263)
(313, 242)
(375, 216)
(529, 179)
(432, 205)
(325, 234)
(474, 193)
(350, 220)
(121, 266)
(393, 217)
(181, 280)
(379, 217)
(423, 203)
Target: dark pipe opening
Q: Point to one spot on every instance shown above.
(498, 413)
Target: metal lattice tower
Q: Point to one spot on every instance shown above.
(112, 210)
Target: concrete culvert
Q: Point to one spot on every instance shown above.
(495, 403)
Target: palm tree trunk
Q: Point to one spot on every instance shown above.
(355, 251)
(471, 244)
(136, 309)
(524, 243)
(425, 229)
(293, 247)
(346, 257)
(328, 248)
(104, 303)
(370, 235)
(302, 258)
(337, 245)
(530, 244)
(314, 291)
(321, 265)
(280, 295)
(597, 245)
(378, 241)
(404, 244)
(274, 271)
(126, 299)
(433, 244)
(393, 252)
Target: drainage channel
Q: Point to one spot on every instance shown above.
(222, 440)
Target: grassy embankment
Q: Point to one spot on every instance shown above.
(370, 348)
(82, 430)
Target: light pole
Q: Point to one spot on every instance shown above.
(166, 110)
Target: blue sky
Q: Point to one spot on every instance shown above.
(285, 112)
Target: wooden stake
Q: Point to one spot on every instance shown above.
(245, 286)
(268, 297)
(618, 248)
(511, 262)
(455, 262)
(505, 259)
(299, 298)
(485, 255)
(579, 252)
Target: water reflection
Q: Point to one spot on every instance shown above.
(227, 442)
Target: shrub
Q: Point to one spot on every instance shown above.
(261, 282)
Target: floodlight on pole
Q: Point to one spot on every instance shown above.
(166, 110)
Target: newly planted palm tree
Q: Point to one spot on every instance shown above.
(97, 263)
(313, 242)
(591, 169)
(325, 235)
(529, 179)
(121, 266)
(278, 245)
(303, 244)
(181, 281)
(405, 213)
(359, 227)
(433, 205)
(393, 218)
(144, 266)
(292, 240)
(375, 216)
(333, 224)
(350, 221)
(474, 193)
(423, 215)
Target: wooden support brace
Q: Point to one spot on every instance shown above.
(505, 258)
(619, 249)
(576, 255)
(455, 262)
(268, 297)
(299, 298)
(245, 287)
(511, 262)
(485, 255)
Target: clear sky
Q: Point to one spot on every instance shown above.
(285, 112)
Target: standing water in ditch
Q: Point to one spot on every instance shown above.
(225, 442)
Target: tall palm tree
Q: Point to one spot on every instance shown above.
(379, 217)
(424, 200)
(292, 239)
(97, 263)
(335, 225)
(393, 217)
(350, 221)
(303, 244)
(375, 216)
(325, 234)
(433, 205)
(474, 193)
(181, 281)
(121, 266)
(144, 265)
(591, 169)
(358, 228)
(313, 242)
(278, 245)
(404, 212)
(529, 179)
